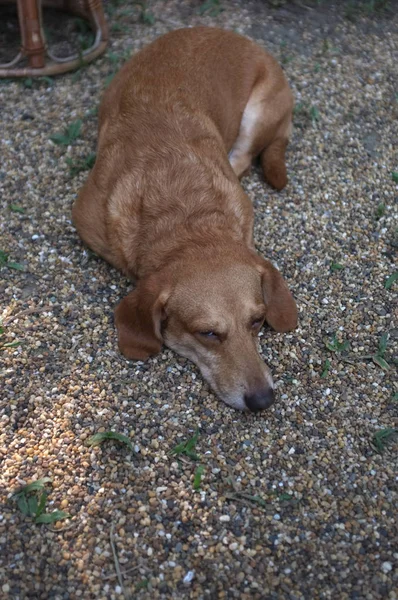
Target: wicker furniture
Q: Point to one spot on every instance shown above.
(41, 61)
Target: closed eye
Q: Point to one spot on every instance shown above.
(256, 323)
(209, 335)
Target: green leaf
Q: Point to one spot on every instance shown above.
(11, 344)
(335, 346)
(256, 499)
(142, 585)
(60, 139)
(33, 505)
(285, 497)
(336, 266)
(16, 208)
(314, 114)
(69, 135)
(198, 477)
(395, 397)
(379, 360)
(47, 79)
(81, 164)
(391, 280)
(394, 176)
(383, 344)
(187, 448)
(57, 515)
(39, 484)
(23, 504)
(98, 438)
(382, 438)
(28, 82)
(74, 129)
(380, 211)
(3, 257)
(326, 368)
(212, 7)
(147, 17)
(16, 266)
(42, 504)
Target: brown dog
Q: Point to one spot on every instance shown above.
(179, 125)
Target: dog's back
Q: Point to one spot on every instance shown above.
(166, 125)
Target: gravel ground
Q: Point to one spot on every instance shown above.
(293, 503)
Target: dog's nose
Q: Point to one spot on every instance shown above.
(260, 400)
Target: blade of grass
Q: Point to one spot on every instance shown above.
(99, 438)
(39, 484)
(56, 515)
(391, 280)
(198, 477)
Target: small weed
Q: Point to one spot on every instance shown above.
(5, 262)
(326, 369)
(380, 210)
(187, 448)
(93, 112)
(85, 36)
(198, 477)
(299, 108)
(285, 497)
(391, 280)
(314, 114)
(33, 504)
(211, 7)
(382, 438)
(335, 266)
(378, 358)
(9, 344)
(147, 17)
(108, 79)
(29, 82)
(317, 67)
(3, 343)
(335, 346)
(394, 176)
(98, 438)
(16, 208)
(119, 28)
(395, 397)
(113, 57)
(69, 135)
(246, 498)
(142, 585)
(81, 164)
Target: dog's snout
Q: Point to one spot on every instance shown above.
(260, 400)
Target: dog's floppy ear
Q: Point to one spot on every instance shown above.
(281, 309)
(138, 319)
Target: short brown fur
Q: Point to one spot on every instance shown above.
(178, 126)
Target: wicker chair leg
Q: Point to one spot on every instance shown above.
(41, 61)
(33, 46)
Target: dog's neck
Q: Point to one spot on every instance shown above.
(203, 197)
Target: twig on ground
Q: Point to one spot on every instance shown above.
(28, 311)
(126, 594)
(113, 575)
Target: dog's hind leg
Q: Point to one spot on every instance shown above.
(264, 130)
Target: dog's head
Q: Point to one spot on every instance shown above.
(211, 311)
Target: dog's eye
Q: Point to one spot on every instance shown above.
(209, 334)
(257, 323)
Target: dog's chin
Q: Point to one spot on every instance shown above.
(234, 400)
